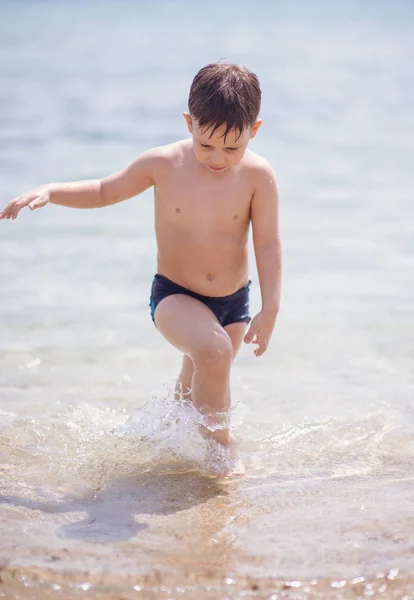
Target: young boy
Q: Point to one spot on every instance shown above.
(208, 189)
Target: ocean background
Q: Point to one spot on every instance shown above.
(100, 497)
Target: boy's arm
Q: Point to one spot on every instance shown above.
(138, 176)
(135, 178)
(268, 252)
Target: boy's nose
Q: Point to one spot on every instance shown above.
(216, 160)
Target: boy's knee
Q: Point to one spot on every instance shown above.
(215, 351)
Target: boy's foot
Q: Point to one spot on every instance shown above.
(235, 466)
(237, 470)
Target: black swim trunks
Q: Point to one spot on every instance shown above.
(228, 309)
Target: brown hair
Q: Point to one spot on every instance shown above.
(225, 94)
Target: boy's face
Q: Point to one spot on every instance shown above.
(216, 152)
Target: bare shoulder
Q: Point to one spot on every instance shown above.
(258, 169)
(169, 155)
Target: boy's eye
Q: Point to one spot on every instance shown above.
(209, 147)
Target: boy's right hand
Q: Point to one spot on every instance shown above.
(34, 199)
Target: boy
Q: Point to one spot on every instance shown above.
(208, 189)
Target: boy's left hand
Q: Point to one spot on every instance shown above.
(260, 330)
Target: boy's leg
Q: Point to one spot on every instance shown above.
(194, 330)
(236, 332)
(184, 381)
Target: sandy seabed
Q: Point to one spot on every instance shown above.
(200, 545)
(41, 584)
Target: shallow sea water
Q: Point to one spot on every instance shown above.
(107, 488)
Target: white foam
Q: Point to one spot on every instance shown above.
(166, 427)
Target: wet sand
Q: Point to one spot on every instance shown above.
(174, 533)
(43, 585)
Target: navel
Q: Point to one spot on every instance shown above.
(178, 210)
(235, 217)
(209, 277)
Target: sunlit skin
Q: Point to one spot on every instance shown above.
(208, 190)
(216, 151)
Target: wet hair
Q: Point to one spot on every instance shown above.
(225, 94)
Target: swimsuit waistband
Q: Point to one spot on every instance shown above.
(177, 286)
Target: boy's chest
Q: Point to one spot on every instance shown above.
(222, 206)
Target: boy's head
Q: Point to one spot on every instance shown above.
(224, 104)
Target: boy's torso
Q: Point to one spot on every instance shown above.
(202, 222)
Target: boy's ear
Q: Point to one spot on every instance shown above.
(188, 121)
(255, 128)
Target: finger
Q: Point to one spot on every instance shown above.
(259, 351)
(8, 212)
(15, 210)
(22, 202)
(263, 344)
(37, 203)
(250, 335)
(14, 206)
(5, 214)
(11, 208)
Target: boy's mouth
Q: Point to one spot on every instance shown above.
(216, 168)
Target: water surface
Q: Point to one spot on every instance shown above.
(102, 489)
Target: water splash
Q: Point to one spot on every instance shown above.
(89, 444)
(166, 427)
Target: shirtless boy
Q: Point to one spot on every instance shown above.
(208, 189)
